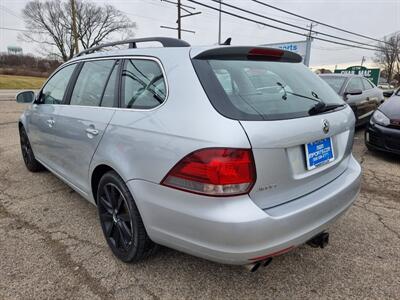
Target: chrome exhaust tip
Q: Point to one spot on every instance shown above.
(256, 265)
(253, 266)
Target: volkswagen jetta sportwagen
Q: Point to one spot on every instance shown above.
(234, 154)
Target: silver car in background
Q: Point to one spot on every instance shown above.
(234, 154)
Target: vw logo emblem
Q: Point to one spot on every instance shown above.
(325, 126)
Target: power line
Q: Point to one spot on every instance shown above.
(318, 22)
(282, 29)
(22, 30)
(289, 24)
(11, 12)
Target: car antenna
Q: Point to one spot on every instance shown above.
(227, 42)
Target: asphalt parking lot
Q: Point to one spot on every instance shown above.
(51, 244)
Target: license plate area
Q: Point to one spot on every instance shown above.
(319, 153)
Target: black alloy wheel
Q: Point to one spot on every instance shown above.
(27, 153)
(121, 221)
(115, 217)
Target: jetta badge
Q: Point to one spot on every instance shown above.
(325, 126)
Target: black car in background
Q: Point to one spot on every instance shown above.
(358, 92)
(383, 131)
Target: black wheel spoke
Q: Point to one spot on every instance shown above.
(107, 205)
(126, 231)
(125, 237)
(108, 196)
(109, 229)
(125, 217)
(119, 203)
(106, 217)
(118, 236)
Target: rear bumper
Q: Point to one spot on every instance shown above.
(233, 230)
(382, 138)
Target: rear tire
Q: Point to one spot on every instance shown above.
(27, 153)
(121, 221)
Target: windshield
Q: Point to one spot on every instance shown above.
(335, 82)
(263, 90)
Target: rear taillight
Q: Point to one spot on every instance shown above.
(214, 172)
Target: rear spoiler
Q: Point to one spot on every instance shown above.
(249, 53)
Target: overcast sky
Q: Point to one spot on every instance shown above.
(375, 18)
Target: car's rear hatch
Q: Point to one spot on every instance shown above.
(272, 95)
(280, 155)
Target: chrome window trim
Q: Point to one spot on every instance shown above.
(141, 57)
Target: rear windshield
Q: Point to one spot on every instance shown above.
(262, 90)
(336, 82)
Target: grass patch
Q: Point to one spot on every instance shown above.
(13, 82)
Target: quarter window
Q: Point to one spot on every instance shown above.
(143, 84)
(368, 85)
(91, 83)
(54, 90)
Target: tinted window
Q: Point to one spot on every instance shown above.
(335, 82)
(143, 84)
(109, 92)
(254, 90)
(355, 84)
(368, 84)
(91, 82)
(54, 90)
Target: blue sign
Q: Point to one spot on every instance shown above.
(319, 153)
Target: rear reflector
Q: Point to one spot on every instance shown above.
(277, 253)
(214, 172)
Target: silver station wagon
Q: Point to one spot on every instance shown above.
(234, 154)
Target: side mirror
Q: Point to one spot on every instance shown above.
(388, 93)
(25, 97)
(353, 92)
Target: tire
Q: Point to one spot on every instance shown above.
(120, 220)
(27, 154)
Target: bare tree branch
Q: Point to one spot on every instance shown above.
(389, 56)
(95, 24)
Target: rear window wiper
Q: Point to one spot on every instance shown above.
(321, 107)
(285, 93)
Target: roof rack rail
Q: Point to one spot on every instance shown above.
(165, 41)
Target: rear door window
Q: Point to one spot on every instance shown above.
(91, 82)
(143, 84)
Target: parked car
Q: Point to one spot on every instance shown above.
(360, 93)
(385, 86)
(192, 148)
(383, 131)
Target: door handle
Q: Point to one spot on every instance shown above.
(50, 122)
(92, 131)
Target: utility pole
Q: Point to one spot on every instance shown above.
(362, 60)
(74, 29)
(181, 7)
(179, 19)
(219, 22)
(308, 46)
